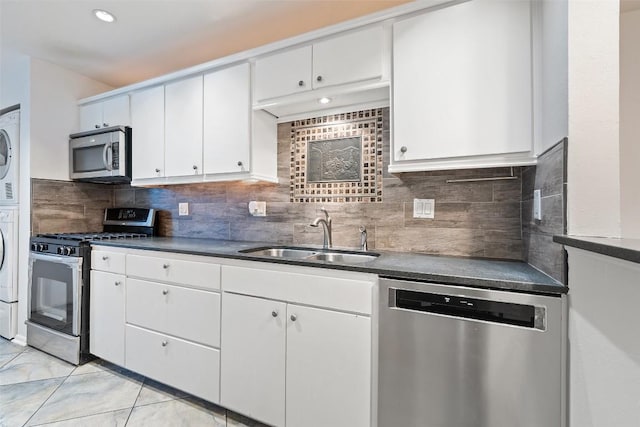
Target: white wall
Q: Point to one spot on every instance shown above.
(604, 341)
(54, 115)
(593, 155)
(630, 123)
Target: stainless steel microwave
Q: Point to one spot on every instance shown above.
(102, 155)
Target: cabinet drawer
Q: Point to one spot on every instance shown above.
(197, 274)
(187, 313)
(187, 366)
(313, 289)
(113, 262)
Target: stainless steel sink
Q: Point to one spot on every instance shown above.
(348, 258)
(313, 254)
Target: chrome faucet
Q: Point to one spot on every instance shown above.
(326, 225)
(363, 238)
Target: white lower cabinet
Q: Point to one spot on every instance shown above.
(292, 365)
(106, 316)
(185, 365)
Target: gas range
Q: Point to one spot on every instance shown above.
(59, 282)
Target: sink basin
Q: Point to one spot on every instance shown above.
(313, 254)
(342, 257)
(281, 252)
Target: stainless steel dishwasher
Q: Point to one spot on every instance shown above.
(465, 357)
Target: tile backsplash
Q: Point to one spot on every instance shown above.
(481, 219)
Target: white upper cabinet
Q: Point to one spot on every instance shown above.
(183, 127)
(227, 124)
(283, 73)
(354, 57)
(110, 112)
(462, 87)
(147, 121)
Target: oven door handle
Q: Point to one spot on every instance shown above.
(71, 261)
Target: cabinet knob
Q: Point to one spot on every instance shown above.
(105, 257)
(403, 149)
(97, 126)
(118, 283)
(301, 83)
(157, 170)
(164, 343)
(293, 317)
(274, 313)
(165, 266)
(240, 163)
(319, 78)
(165, 291)
(105, 125)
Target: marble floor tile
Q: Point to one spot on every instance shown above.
(6, 358)
(82, 395)
(7, 347)
(99, 365)
(110, 419)
(32, 365)
(155, 392)
(18, 402)
(176, 413)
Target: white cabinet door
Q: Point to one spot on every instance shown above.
(91, 116)
(328, 368)
(354, 57)
(252, 368)
(116, 111)
(147, 122)
(283, 74)
(183, 127)
(227, 127)
(462, 81)
(106, 317)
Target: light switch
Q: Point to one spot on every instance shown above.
(183, 209)
(423, 208)
(537, 205)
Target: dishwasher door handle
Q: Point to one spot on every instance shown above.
(523, 315)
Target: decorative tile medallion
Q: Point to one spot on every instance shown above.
(337, 158)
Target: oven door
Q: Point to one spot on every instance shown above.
(55, 291)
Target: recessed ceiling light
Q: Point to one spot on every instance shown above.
(103, 15)
(324, 100)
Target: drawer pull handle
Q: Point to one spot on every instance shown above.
(118, 283)
(274, 313)
(164, 343)
(165, 291)
(293, 317)
(105, 257)
(165, 266)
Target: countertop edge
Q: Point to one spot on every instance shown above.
(446, 279)
(615, 248)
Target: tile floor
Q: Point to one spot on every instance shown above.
(40, 390)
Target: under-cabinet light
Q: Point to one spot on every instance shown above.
(324, 100)
(104, 16)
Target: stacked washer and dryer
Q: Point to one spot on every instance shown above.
(9, 176)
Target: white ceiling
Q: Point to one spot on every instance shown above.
(155, 37)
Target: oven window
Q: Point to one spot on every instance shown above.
(52, 289)
(88, 159)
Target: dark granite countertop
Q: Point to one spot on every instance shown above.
(474, 272)
(626, 249)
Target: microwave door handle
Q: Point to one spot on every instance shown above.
(106, 157)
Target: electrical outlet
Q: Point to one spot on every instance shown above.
(258, 208)
(183, 209)
(537, 205)
(424, 208)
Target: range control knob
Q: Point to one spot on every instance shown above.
(41, 247)
(59, 250)
(67, 250)
(34, 247)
